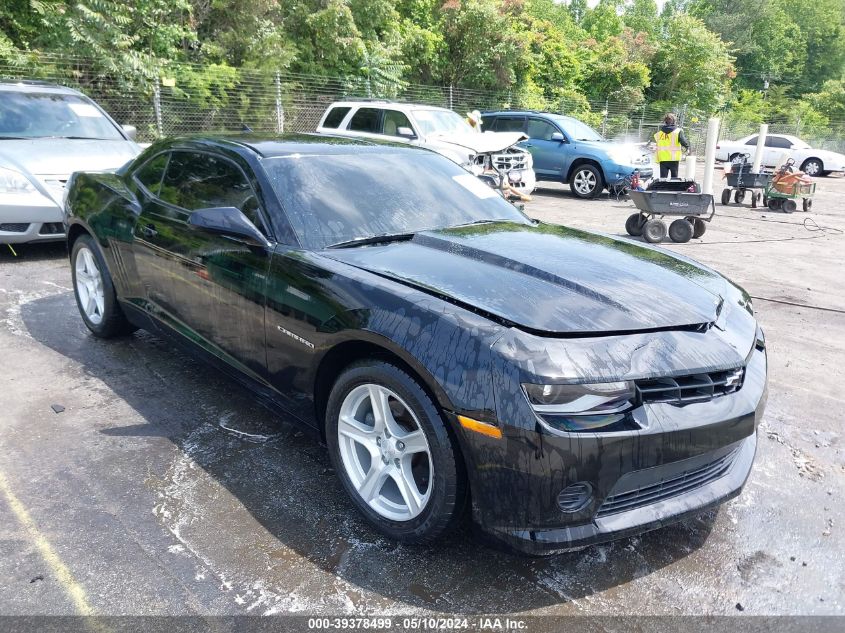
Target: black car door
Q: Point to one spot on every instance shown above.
(208, 287)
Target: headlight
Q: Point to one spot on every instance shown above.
(586, 399)
(14, 182)
(585, 407)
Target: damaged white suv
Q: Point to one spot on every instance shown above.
(437, 129)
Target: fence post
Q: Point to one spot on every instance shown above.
(798, 127)
(604, 120)
(280, 111)
(157, 107)
(451, 102)
(640, 129)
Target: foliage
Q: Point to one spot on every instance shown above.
(699, 54)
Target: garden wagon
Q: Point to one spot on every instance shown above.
(690, 207)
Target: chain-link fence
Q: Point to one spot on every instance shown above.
(184, 99)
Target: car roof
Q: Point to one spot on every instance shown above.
(383, 103)
(274, 146)
(30, 85)
(550, 115)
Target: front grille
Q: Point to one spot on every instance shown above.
(671, 486)
(691, 388)
(14, 227)
(510, 160)
(52, 228)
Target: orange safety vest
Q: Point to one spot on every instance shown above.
(668, 146)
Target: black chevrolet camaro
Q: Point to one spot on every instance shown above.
(564, 387)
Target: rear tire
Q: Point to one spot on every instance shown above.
(807, 205)
(681, 231)
(634, 224)
(739, 196)
(789, 206)
(726, 197)
(654, 231)
(414, 491)
(812, 167)
(94, 291)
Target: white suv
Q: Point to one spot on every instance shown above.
(437, 129)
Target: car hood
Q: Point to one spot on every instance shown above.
(56, 156)
(550, 279)
(488, 142)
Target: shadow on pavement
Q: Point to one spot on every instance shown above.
(283, 478)
(33, 252)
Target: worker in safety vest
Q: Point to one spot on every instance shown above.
(670, 140)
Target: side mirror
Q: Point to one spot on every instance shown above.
(130, 130)
(557, 136)
(229, 222)
(405, 132)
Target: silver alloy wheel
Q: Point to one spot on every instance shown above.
(812, 168)
(89, 285)
(584, 182)
(385, 452)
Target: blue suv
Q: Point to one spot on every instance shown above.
(569, 151)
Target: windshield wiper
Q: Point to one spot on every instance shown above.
(385, 238)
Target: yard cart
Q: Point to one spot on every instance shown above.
(659, 201)
(741, 180)
(786, 187)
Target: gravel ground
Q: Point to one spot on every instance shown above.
(161, 488)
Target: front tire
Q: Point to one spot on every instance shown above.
(393, 454)
(586, 182)
(634, 224)
(94, 291)
(654, 231)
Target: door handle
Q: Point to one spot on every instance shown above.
(149, 230)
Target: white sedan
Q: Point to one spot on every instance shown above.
(815, 162)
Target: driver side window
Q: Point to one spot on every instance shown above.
(393, 120)
(200, 181)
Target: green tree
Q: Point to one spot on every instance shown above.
(603, 21)
(691, 66)
(642, 16)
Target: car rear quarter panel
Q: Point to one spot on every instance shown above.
(101, 204)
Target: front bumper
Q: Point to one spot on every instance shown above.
(682, 460)
(25, 221)
(644, 518)
(617, 174)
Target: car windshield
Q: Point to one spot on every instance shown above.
(578, 131)
(48, 115)
(338, 198)
(443, 122)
